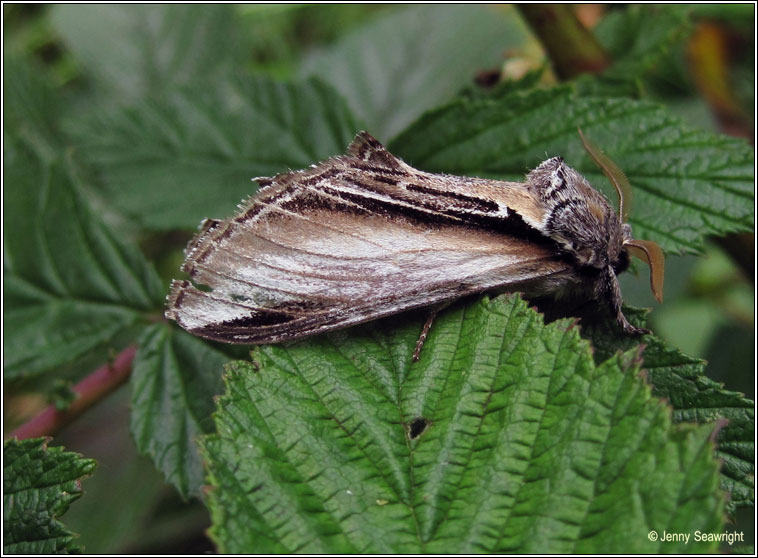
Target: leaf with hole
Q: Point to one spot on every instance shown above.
(504, 437)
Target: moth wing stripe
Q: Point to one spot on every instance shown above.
(415, 206)
(187, 293)
(387, 198)
(306, 217)
(316, 285)
(385, 247)
(205, 276)
(456, 196)
(337, 189)
(301, 271)
(342, 193)
(308, 252)
(427, 195)
(391, 205)
(192, 301)
(197, 305)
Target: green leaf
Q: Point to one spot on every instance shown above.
(70, 286)
(39, 483)
(639, 36)
(390, 71)
(688, 184)
(31, 105)
(174, 381)
(694, 397)
(174, 160)
(735, 14)
(504, 437)
(131, 51)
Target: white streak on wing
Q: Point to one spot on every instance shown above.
(352, 243)
(281, 272)
(291, 278)
(201, 309)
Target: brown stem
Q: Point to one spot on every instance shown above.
(571, 47)
(88, 392)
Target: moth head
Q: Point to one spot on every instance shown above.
(646, 250)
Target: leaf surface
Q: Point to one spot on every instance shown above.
(681, 380)
(39, 484)
(174, 381)
(390, 71)
(131, 51)
(71, 286)
(504, 437)
(172, 160)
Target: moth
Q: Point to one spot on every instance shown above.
(364, 235)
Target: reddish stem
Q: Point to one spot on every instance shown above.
(88, 392)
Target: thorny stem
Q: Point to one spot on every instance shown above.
(88, 392)
(571, 47)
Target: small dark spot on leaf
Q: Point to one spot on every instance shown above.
(417, 427)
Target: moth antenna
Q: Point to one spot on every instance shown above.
(650, 253)
(614, 174)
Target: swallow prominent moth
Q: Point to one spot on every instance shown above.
(364, 235)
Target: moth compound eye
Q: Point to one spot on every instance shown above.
(622, 263)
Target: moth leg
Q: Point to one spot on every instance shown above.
(629, 328)
(614, 295)
(425, 330)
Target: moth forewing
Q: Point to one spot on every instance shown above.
(267, 290)
(364, 235)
